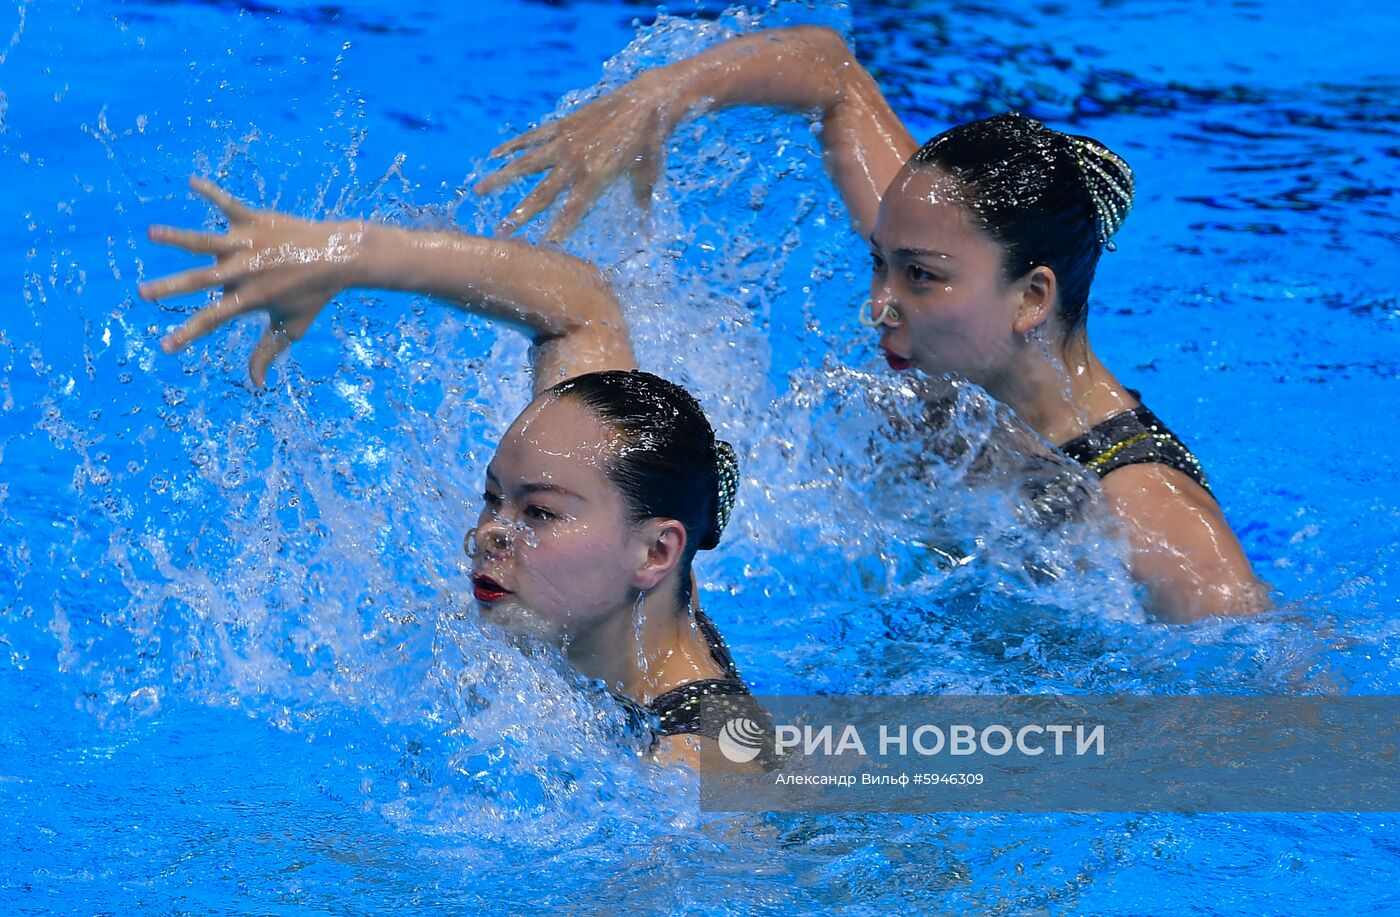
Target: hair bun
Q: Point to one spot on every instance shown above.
(726, 489)
(1110, 183)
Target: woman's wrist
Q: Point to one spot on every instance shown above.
(373, 253)
(678, 91)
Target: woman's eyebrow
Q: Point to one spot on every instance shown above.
(550, 488)
(913, 252)
(924, 253)
(532, 486)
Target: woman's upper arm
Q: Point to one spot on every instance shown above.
(587, 332)
(1184, 551)
(864, 142)
(590, 348)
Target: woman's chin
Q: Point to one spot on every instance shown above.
(516, 618)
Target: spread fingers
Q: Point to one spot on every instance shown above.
(233, 208)
(549, 188)
(534, 161)
(200, 243)
(532, 137)
(200, 278)
(209, 318)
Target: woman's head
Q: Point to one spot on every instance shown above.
(1045, 197)
(606, 484)
(1042, 199)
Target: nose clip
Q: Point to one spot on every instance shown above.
(498, 537)
(889, 314)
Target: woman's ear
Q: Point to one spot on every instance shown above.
(661, 543)
(1039, 293)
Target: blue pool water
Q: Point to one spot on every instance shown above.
(238, 672)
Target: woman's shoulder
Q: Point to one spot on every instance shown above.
(1131, 438)
(1183, 548)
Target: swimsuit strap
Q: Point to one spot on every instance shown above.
(706, 706)
(718, 648)
(703, 707)
(1136, 437)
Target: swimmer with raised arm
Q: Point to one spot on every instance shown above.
(984, 242)
(599, 494)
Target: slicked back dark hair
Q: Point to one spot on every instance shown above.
(668, 463)
(1045, 197)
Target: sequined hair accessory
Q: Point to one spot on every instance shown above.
(1110, 184)
(727, 473)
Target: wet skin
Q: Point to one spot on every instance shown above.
(944, 276)
(554, 541)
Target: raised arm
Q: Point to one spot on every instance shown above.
(624, 133)
(290, 268)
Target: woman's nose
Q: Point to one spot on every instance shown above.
(491, 535)
(880, 310)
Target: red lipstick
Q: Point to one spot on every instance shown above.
(896, 362)
(486, 589)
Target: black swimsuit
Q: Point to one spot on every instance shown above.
(704, 707)
(1135, 437)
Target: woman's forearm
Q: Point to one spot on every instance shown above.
(291, 268)
(547, 293)
(567, 308)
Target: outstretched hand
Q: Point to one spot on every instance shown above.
(269, 261)
(622, 134)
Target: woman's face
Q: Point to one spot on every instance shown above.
(553, 542)
(944, 276)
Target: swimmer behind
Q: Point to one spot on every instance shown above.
(984, 242)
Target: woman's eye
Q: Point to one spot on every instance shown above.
(538, 513)
(919, 275)
(491, 499)
(876, 262)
